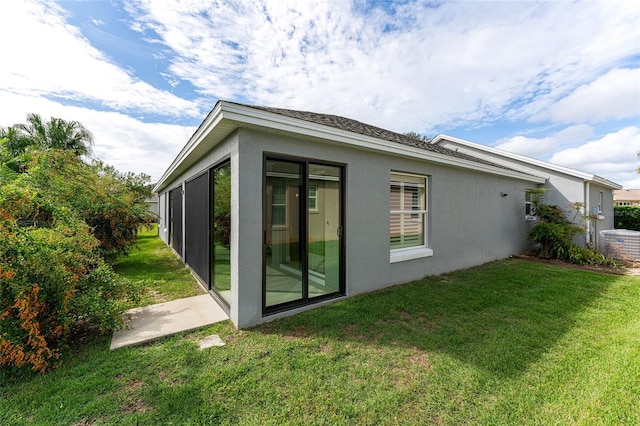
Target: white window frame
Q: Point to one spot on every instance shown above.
(529, 211)
(282, 206)
(420, 251)
(313, 208)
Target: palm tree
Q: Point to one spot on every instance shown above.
(57, 134)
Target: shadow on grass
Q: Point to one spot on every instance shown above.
(500, 317)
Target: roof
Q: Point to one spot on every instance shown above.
(626, 195)
(588, 177)
(227, 116)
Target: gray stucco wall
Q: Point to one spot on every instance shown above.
(471, 223)
(215, 156)
(563, 189)
(606, 219)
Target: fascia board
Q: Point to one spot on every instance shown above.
(210, 122)
(259, 118)
(605, 182)
(243, 116)
(550, 166)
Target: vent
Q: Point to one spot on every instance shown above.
(620, 244)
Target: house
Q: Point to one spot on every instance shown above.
(626, 197)
(571, 190)
(277, 211)
(152, 205)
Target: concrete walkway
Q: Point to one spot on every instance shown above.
(164, 319)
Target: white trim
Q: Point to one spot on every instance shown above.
(229, 116)
(401, 255)
(407, 253)
(549, 166)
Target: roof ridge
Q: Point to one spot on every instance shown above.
(355, 126)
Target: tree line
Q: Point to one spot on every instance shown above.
(64, 218)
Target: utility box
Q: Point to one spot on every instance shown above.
(620, 244)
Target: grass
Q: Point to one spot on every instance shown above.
(161, 275)
(511, 342)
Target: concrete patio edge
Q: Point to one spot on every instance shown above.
(152, 322)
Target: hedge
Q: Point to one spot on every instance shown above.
(627, 217)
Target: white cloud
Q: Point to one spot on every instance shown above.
(49, 57)
(541, 147)
(530, 147)
(615, 95)
(612, 156)
(120, 140)
(450, 64)
(423, 66)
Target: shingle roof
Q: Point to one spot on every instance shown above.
(360, 128)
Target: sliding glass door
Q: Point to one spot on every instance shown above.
(220, 236)
(302, 233)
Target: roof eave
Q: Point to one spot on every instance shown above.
(241, 115)
(587, 177)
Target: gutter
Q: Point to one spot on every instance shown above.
(236, 115)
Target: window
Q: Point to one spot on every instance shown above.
(279, 204)
(313, 198)
(529, 211)
(600, 201)
(408, 217)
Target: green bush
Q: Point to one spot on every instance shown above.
(588, 256)
(553, 232)
(52, 279)
(627, 217)
(111, 203)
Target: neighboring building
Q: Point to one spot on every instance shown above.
(626, 197)
(152, 204)
(567, 188)
(276, 211)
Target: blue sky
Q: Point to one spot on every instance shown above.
(558, 81)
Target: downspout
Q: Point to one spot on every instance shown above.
(587, 209)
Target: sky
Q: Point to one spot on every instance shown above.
(554, 80)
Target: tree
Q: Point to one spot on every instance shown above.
(111, 203)
(416, 135)
(53, 134)
(13, 148)
(59, 220)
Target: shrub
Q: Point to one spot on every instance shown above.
(111, 203)
(588, 256)
(553, 233)
(554, 239)
(627, 217)
(52, 279)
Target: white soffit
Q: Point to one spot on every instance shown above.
(546, 165)
(227, 117)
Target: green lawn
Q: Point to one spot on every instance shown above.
(511, 342)
(161, 273)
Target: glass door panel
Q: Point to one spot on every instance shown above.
(221, 235)
(284, 262)
(324, 229)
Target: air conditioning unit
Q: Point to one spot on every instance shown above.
(620, 244)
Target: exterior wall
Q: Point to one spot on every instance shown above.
(213, 157)
(564, 189)
(603, 216)
(153, 205)
(470, 222)
(163, 219)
